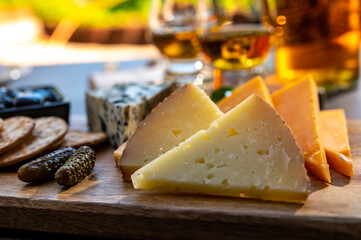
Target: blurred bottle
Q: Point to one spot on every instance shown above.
(319, 37)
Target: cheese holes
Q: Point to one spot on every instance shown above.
(217, 150)
(209, 166)
(262, 152)
(210, 176)
(176, 132)
(206, 137)
(222, 165)
(279, 139)
(231, 132)
(200, 161)
(225, 182)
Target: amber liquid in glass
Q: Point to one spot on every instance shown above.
(178, 44)
(236, 48)
(321, 38)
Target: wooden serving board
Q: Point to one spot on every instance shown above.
(104, 206)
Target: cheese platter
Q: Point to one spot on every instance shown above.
(254, 150)
(103, 205)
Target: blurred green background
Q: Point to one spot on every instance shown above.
(85, 13)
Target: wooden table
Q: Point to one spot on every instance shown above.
(103, 205)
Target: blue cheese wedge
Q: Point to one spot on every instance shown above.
(117, 111)
(248, 152)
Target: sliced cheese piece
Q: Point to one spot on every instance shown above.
(298, 104)
(255, 85)
(248, 152)
(118, 153)
(178, 117)
(335, 140)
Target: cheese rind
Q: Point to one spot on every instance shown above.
(178, 117)
(117, 111)
(118, 153)
(334, 138)
(298, 104)
(254, 86)
(248, 152)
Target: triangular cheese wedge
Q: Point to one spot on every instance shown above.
(255, 85)
(118, 153)
(178, 117)
(298, 104)
(248, 152)
(335, 140)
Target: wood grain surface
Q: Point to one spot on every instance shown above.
(104, 206)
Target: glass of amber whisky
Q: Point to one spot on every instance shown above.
(235, 36)
(321, 39)
(172, 24)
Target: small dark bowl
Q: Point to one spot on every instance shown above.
(58, 106)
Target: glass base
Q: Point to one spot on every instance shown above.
(202, 78)
(181, 67)
(237, 78)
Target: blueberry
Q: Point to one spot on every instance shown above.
(48, 95)
(6, 101)
(27, 100)
(12, 93)
(8, 92)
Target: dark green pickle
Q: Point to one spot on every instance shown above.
(44, 167)
(79, 165)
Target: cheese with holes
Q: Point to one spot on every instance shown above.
(255, 85)
(298, 104)
(334, 138)
(118, 110)
(178, 117)
(248, 152)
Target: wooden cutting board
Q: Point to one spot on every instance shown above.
(104, 206)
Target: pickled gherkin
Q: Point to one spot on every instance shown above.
(44, 167)
(79, 165)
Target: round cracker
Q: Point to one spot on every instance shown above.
(15, 131)
(47, 131)
(76, 138)
(55, 146)
(58, 144)
(1, 124)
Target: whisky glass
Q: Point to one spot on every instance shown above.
(320, 39)
(173, 25)
(235, 36)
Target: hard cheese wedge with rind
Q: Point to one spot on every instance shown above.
(254, 86)
(248, 152)
(178, 117)
(334, 138)
(298, 104)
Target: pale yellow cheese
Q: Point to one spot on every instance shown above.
(248, 152)
(178, 117)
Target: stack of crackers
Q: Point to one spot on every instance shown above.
(22, 138)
